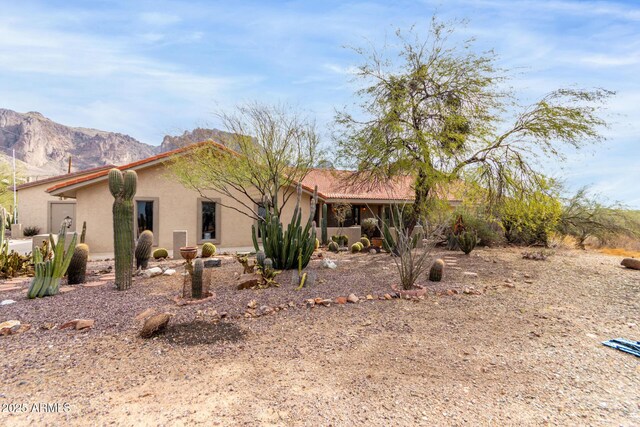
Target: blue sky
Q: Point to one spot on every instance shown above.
(148, 68)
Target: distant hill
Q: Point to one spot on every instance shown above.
(43, 147)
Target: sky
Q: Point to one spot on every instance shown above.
(150, 68)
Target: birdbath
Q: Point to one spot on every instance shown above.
(189, 253)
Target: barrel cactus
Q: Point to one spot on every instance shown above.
(123, 188)
(143, 249)
(208, 250)
(365, 242)
(467, 241)
(260, 257)
(356, 247)
(160, 253)
(333, 247)
(77, 271)
(196, 278)
(436, 271)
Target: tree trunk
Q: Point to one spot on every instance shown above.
(422, 189)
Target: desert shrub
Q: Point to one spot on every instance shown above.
(369, 227)
(487, 229)
(31, 231)
(530, 220)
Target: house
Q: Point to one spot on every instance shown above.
(37, 208)
(163, 205)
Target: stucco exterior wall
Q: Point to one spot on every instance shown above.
(33, 207)
(177, 210)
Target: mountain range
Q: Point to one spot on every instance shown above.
(43, 147)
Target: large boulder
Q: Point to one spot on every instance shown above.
(632, 263)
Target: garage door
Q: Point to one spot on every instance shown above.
(58, 211)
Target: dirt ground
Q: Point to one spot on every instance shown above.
(522, 346)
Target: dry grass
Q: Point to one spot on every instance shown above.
(620, 252)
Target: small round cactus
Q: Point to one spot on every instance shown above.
(160, 253)
(435, 274)
(356, 247)
(365, 242)
(333, 246)
(208, 249)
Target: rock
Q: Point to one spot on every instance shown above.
(252, 304)
(631, 263)
(341, 300)
(143, 315)
(78, 324)
(265, 310)
(352, 298)
(370, 297)
(213, 262)
(318, 300)
(169, 272)
(248, 281)
(155, 324)
(387, 297)
(152, 272)
(528, 282)
(9, 327)
(47, 326)
(65, 289)
(509, 285)
(327, 263)
(7, 302)
(310, 303)
(470, 274)
(326, 302)
(527, 276)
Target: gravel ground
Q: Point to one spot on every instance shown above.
(521, 346)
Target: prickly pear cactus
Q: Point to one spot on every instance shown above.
(123, 188)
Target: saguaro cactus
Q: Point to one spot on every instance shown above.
(123, 188)
(323, 222)
(196, 278)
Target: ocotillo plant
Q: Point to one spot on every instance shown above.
(48, 273)
(323, 222)
(284, 246)
(123, 188)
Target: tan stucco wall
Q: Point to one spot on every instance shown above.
(177, 210)
(33, 207)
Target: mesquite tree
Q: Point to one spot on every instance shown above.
(123, 188)
(439, 111)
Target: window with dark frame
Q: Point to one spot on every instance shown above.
(145, 216)
(208, 231)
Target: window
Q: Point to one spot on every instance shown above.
(208, 221)
(144, 209)
(208, 218)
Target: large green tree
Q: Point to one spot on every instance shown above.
(271, 148)
(438, 110)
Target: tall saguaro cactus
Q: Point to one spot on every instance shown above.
(323, 221)
(123, 188)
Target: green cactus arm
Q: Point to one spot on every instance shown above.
(116, 182)
(254, 237)
(46, 280)
(68, 255)
(130, 184)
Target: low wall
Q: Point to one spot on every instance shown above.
(36, 241)
(353, 233)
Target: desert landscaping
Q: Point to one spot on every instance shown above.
(519, 343)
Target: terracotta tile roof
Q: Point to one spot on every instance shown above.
(334, 184)
(133, 165)
(66, 176)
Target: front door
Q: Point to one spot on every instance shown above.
(58, 212)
